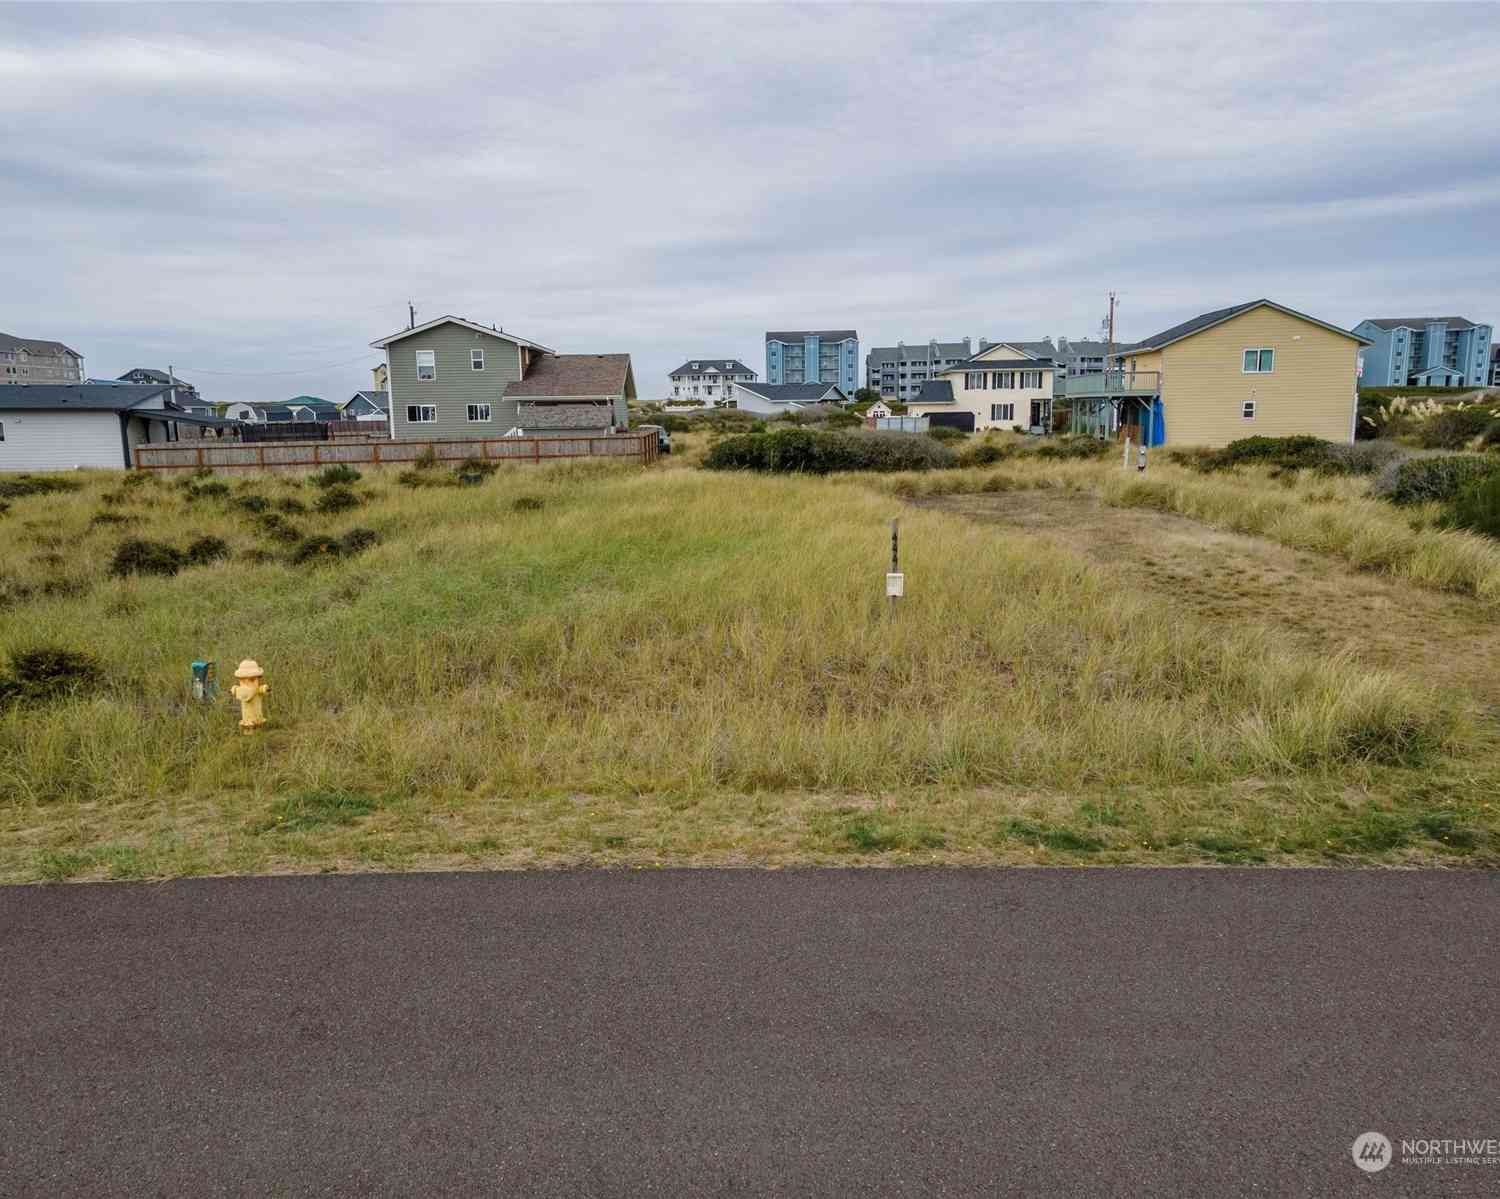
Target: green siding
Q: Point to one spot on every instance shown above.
(457, 385)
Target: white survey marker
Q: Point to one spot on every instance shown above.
(895, 584)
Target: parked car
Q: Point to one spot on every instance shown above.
(663, 438)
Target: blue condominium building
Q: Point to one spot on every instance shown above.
(1424, 351)
(814, 356)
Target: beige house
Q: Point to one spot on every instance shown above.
(1004, 386)
(29, 360)
(1254, 369)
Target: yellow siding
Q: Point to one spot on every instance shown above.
(1001, 350)
(1310, 391)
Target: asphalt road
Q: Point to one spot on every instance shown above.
(848, 1033)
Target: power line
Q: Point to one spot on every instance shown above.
(311, 370)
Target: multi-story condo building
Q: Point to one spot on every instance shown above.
(26, 360)
(708, 380)
(1424, 351)
(1495, 365)
(897, 372)
(814, 356)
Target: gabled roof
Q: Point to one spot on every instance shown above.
(1036, 349)
(1437, 370)
(34, 346)
(1417, 322)
(825, 334)
(988, 364)
(935, 391)
(575, 377)
(379, 398)
(317, 403)
(1208, 320)
(467, 324)
(82, 397)
(152, 375)
(792, 393)
(725, 366)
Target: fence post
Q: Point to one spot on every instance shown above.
(536, 449)
(260, 455)
(200, 455)
(375, 452)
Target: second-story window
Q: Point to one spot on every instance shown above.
(1005, 379)
(976, 380)
(427, 365)
(476, 359)
(1259, 362)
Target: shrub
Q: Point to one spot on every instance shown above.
(985, 453)
(1440, 477)
(250, 503)
(357, 541)
(278, 528)
(475, 470)
(1361, 458)
(316, 549)
(110, 518)
(20, 486)
(1074, 448)
(47, 672)
(1453, 428)
(205, 550)
(142, 556)
(335, 474)
(291, 504)
(427, 459)
(528, 503)
(337, 498)
(946, 433)
(801, 451)
(323, 548)
(1476, 508)
(197, 487)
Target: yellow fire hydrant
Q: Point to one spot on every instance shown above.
(248, 689)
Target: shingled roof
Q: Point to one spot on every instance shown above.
(1219, 315)
(575, 377)
(95, 397)
(825, 334)
(34, 346)
(724, 366)
(1418, 322)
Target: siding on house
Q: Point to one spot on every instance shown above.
(981, 401)
(457, 384)
(36, 440)
(1204, 388)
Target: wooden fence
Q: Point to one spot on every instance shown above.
(309, 455)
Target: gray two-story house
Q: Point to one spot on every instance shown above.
(456, 378)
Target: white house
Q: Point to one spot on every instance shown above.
(1001, 387)
(708, 381)
(772, 399)
(63, 426)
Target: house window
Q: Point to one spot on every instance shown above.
(1259, 362)
(476, 359)
(1006, 380)
(976, 380)
(1248, 411)
(1002, 412)
(421, 414)
(479, 412)
(427, 364)
(1031, 379)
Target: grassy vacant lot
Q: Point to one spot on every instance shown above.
(613, 665)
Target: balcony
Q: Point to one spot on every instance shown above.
(1110, 383)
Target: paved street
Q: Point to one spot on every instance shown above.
(923, 1032)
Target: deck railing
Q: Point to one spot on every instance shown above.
(1111, 382)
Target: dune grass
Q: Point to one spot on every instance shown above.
(1336, 516)
(599, 663)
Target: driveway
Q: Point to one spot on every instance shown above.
(915, 1032)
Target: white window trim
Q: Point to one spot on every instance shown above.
(489, 414)
(1258, 351)
(417, 362)
(419, 420)
(476, 359)
(1247, 410)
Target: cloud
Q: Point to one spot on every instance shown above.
(260, 189)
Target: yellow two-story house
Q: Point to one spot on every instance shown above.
(1004, 386)
(1251, 369)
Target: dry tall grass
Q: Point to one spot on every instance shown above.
(607, 631)
(1334, 516)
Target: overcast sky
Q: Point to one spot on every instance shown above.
(252, 193)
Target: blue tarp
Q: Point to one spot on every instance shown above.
(1158, 423)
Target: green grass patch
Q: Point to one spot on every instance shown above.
(316, 809)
